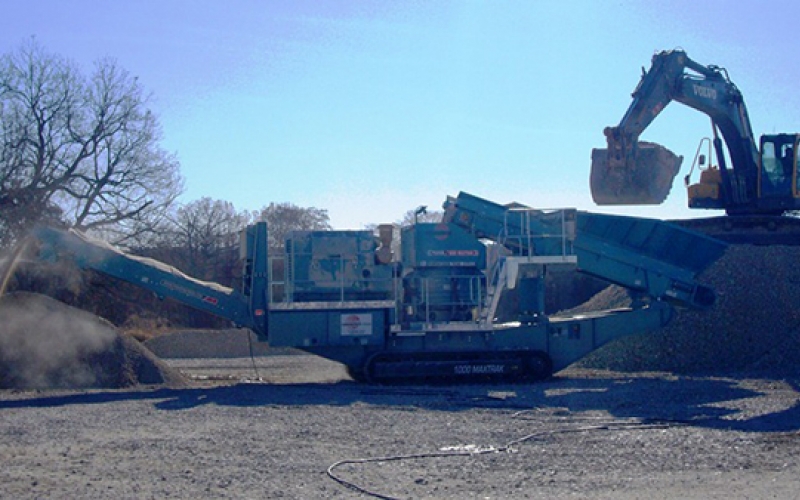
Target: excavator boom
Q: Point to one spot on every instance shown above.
(630, 172)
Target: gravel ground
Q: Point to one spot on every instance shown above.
(583, 434)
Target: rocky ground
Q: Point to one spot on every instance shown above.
(296, 427)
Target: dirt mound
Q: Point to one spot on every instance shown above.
(611, 297)
(47, 344)
(754, 326)
(232, 343)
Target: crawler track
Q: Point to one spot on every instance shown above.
(457, 367)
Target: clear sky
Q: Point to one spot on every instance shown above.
(372, 108)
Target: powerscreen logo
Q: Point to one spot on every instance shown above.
(356, 325)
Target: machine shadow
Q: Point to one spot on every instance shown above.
(725, 403)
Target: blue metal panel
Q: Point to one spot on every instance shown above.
(570, 339)
(441, 245)
(327, 327)
(336, 265)
(294, 328)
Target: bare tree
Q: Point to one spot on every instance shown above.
(83, 150)
(284, 217)
(420, 214)
(207, 239)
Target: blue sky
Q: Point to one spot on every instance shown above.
(371, 108)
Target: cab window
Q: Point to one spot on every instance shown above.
(772, 174)
(777, 167)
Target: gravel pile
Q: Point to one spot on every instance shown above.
(45, 343)
(753, 327)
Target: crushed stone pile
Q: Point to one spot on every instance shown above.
(45, 343)
(753, 327)
(230, 343)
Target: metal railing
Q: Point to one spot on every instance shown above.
(523, 227)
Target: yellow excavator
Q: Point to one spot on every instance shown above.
(756, 190)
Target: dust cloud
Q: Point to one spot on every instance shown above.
(43, 344)
(47, 344)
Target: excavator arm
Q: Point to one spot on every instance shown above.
(636, 173)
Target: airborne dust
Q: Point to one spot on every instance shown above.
(45, 343)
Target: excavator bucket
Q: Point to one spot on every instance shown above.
(644, 177)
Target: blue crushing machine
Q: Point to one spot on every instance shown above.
(426, 307)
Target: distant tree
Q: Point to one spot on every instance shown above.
(420, 214)
(206, 242)
(83, 151)
(282, 218)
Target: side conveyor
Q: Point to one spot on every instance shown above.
(646, 255)
(161, 279)
(657, 258)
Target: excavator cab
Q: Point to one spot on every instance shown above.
(778, 173)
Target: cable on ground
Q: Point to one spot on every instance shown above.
(507, 448)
